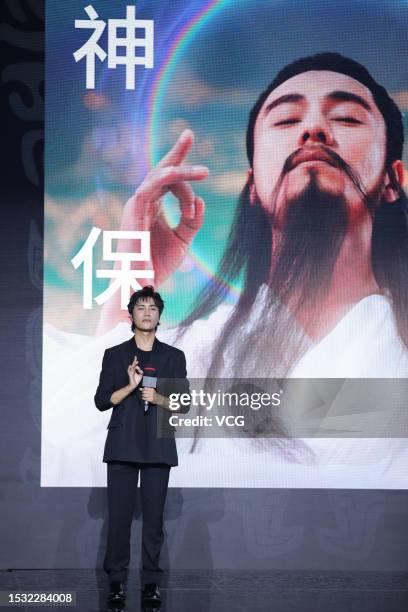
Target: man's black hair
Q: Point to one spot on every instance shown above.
(344, 65)
(147, 292)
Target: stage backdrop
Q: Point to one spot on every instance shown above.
(123, 82)
(207, 528)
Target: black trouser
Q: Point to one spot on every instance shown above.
(122, 489)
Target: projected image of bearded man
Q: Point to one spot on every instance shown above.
(320, 234)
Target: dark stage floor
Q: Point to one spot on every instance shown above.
(200, 591)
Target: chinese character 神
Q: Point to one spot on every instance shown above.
(90, 48)
(124, 277)
(129, 42)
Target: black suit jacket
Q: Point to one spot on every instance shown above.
(132, 433)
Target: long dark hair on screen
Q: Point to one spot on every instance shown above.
(249, 245)
(249, 249)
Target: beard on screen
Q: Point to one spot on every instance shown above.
(314, 227)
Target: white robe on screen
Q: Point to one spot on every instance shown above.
(364, 344)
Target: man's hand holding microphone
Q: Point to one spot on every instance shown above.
(148, 394)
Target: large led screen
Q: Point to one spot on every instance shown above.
(244, 157)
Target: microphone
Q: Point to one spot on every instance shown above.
(149, 381)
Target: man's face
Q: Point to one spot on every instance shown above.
(312, 111)
(146, 314)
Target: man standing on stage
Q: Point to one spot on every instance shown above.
(132, 445)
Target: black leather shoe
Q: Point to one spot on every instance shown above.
(151, 594)
(116, 593)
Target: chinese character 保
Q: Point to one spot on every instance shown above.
(129, 43)
(123, 278)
